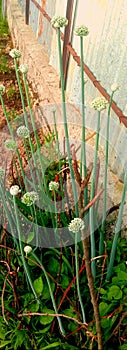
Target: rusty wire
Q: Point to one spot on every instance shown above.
(92, 77)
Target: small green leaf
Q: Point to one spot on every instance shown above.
(34, 307)
(103, 308)
(102, 291)
(122, 276)
(46, 293)
(50, 346)
(30, 237)
(38, 285)
(105, 323)
(4, 343)
(123, 347)
(114, 292)
(46, 319)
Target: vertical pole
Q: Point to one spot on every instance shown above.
(27, 11)
(69, 12)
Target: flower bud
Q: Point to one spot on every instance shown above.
(14, 53)
(53, 186)
(99, 103)
(59, 22)
(14, 190)
(27, 249)
(114, 87)
(10, 144)
(22, 131)
(2, 89)
(81, 30)
(23, 68)
(76, 225)
(29, 198)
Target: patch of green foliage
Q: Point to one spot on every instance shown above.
(4, 64)
(4, 30)
(35, 332)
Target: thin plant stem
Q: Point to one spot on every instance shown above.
(92, 193)
(16, 169)
(24, 110)
(21, 249)
(101, 243)
(117, 229)
(13, 139)
(51, 294)
(65, 124)
(37, 143)
(70, 166)
(4, 202)
(92, 290)
(20, 87)
(83, 148)
(58, 150)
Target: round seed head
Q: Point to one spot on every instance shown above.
(53, 186)
(10, 144)
(27, 249)
(14, 53)
(114, 87)
(99, 103)
(59, 22)
(29, 198)
(81, 30)
(2, 89)
(14, 190)
(76, 225)
(22, 131)
(23, 68)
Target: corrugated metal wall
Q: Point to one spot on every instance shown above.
(105, 48)
(105, 53)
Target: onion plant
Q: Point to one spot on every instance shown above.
(114, 88)
(59, 22)
(82, 31)
(117, 228)
(98, 104)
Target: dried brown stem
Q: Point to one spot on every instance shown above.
(92, 202)
(92, 291)
(29, 314)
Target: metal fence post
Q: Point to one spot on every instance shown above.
(27, 11)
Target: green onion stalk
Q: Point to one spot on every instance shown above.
(69, 159)
(7, 211)
(98, 104)
(58, 149)
(23, 69)
(36, 136)
(83, 148)
(117, 228)
(38, 146)
(51, 293)
(101, 243)
(92, 193)
(13, 139)
(21, 249)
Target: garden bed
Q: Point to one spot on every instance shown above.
(56, 291)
